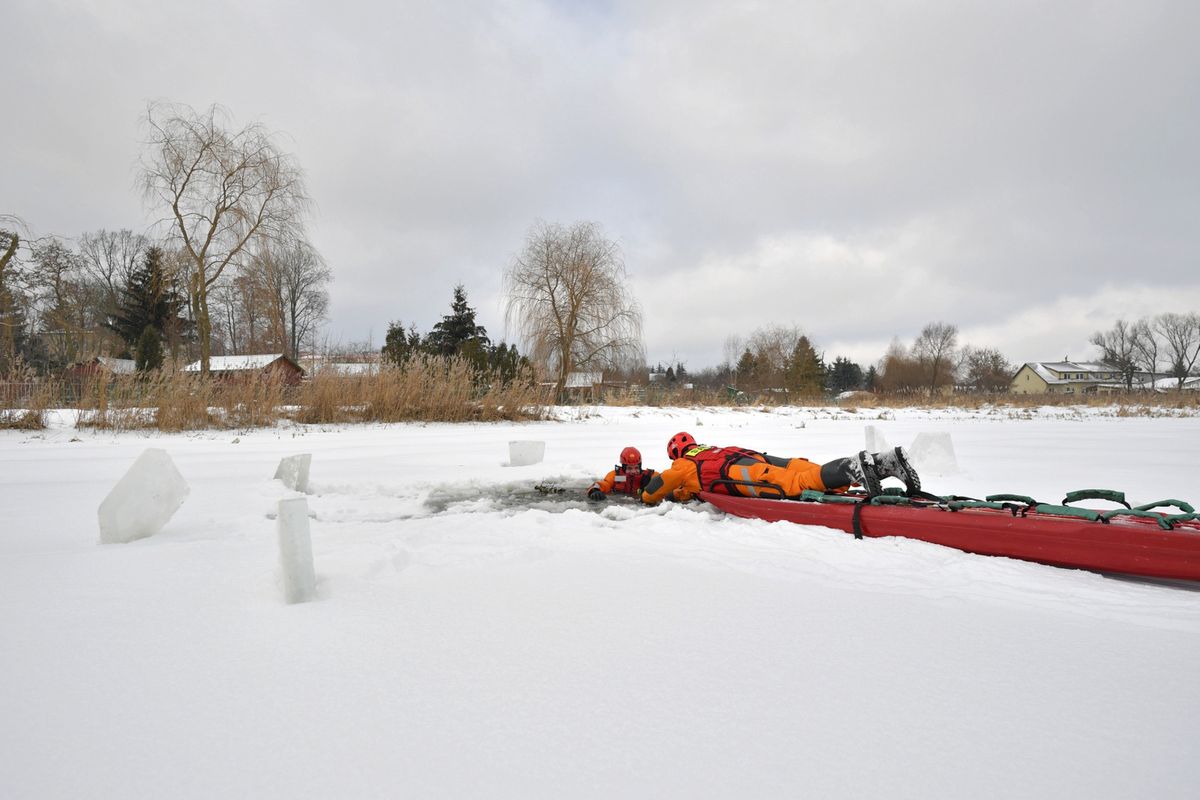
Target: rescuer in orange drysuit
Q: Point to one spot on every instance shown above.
(733, 470)
(627, 477)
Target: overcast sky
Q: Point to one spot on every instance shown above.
(1028, 171)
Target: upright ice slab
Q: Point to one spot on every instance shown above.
(145, 498)
(293, 472)
(295, 551)
(934, 453)
(876, 441)
(524, 453)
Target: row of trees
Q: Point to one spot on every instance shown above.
(778, 358)
(456, 336)
(1166, 345)
(111, 290)
(935, 362)
(231, 269)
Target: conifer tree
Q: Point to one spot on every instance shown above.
(507, 363)
(148, 354)
(805, 371)
(400, 345)
(844, 376)
(457, 329)
(747, 371)
(149, 301)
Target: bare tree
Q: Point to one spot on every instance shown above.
(899, 371)
(10, 239)
(1181, 335)
(1145, 347)
(1117, 348)
(986, 369)
(11, 318)
(66, 322)
(936, 352)
(732, 351)
(222, 190)
(110, 257)
(567, 295)
(772, 347)
(295, 277)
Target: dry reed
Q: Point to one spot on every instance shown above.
(438, 390)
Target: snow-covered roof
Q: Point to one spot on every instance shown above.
(118, 366)
(1078, 366)
(236, 363)
(1049, 371)
(1168, 383)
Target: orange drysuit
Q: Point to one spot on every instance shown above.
(631, 483)
(702, 468)
(623, 481)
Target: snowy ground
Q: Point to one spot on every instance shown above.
(474, 639)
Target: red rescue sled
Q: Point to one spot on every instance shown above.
(1128, 541)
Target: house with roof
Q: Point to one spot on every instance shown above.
(1070, 377)
(276, 365)
(100, 366)
(1169, 384)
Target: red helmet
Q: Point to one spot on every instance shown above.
(631, 457)
(679, 443)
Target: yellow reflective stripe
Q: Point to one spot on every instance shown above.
(700, 448)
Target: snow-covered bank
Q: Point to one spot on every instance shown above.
(470, 644)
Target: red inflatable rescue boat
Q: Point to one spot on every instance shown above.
(1129, 540)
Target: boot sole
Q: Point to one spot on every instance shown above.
(870, 480)
(912, 481)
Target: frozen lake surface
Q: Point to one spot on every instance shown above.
(474, 638)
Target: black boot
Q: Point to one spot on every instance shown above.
(894, 463)
(866, 472)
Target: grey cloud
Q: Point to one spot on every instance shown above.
(973, 160)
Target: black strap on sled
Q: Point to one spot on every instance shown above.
(856, 518)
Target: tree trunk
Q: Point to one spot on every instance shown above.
(203, 324)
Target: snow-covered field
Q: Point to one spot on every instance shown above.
(476, 639)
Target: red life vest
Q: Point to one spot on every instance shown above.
(630, 481)
(712, 465)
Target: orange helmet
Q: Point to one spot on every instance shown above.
(631, 457)
(679, 443)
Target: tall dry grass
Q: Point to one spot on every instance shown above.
(430, 390)
(433, 390)
(425, 389)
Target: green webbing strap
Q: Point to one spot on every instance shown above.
(1067, 511)
(1096, 494)
(813, 496)
(1182, 518)
(839, 498)
(1134, 512)
(1012, 498)
(959, 505)
(1186, 508)
(889, 500)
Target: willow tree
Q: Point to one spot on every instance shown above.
(222, 189)
(567, 295)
